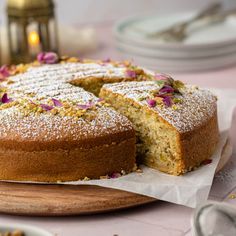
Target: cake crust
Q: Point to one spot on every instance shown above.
(67, 164)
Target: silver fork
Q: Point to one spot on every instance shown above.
(177, 32)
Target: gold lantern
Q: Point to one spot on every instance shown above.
(31, 29)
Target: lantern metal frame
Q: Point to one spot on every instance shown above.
(22, 14)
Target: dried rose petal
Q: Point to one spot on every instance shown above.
(46, 107)
(131, 73)
(47, 57)
(107, 60)
(151, 103)
(50, 58)
(5, 98)
(100, 100)
(85, 106)
(56, 102)
(40, 57)
(166, 89)
(161, 76)
(4, 71)
(115, 175)
(167, 100)
(206, 162)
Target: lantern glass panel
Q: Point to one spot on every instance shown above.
(53, 35)
(14, 40)
(33, 39)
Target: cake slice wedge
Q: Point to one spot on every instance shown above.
(176, 125)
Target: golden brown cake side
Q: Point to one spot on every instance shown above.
(170, 139)
(199, 144)
(67, 164)
(49, 148)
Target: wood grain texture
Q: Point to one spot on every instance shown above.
(58, 200)
(48, 200)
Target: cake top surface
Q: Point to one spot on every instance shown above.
(39, 80)
(184, 109)
(39, 101)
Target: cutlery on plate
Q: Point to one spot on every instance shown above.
(177, 32)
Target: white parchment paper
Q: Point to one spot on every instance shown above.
(190, 189)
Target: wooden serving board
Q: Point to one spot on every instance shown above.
(58, 200)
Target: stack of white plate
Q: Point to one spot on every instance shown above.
(211, 46)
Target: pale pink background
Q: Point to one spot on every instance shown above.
(160, 218)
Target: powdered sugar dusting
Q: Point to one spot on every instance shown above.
(197, 105)
(53, 81)
(48, 127)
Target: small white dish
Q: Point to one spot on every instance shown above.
(28, 230)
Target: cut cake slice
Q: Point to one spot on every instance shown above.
(176, 125)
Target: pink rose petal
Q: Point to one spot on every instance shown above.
(161, 76)
(85, 106)
(151, 103)
(206, 162)
(115, 175)
(50, 58)
(5, 98)
(40, 57)
(107, 60)
(47, 57)
(4, 70)
(131, 73)
(167, 101)
(56, 102)
(100, 100)
(166, 89)
(46, 107)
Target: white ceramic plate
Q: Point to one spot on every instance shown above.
(170, 54)
(28, 230)
(181, 65)
(134, 31)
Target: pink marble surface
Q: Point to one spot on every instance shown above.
(159, 218)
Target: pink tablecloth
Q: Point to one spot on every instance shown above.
(160, 218)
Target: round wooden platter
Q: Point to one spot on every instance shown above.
(61, 200)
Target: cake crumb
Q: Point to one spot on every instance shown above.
(139, 170)
(86, 178)
(104, 177)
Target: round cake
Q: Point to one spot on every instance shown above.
(55, 128)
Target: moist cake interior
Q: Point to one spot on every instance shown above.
(156, 140)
